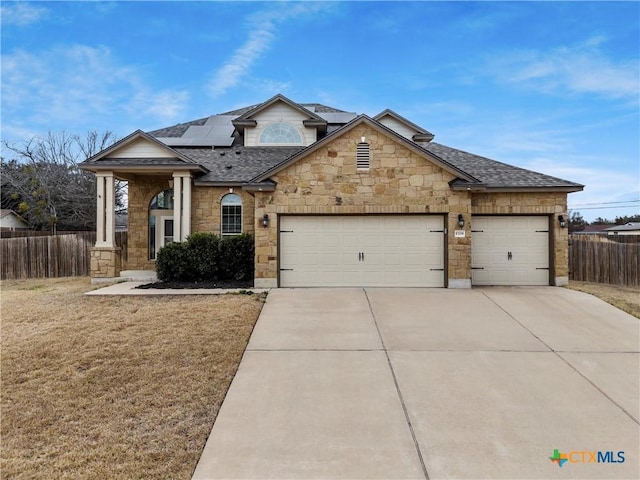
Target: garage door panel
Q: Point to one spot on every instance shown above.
(510, 250)
(398, 251)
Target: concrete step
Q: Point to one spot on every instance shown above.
(138, 276)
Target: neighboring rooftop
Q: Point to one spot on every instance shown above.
(629, 227)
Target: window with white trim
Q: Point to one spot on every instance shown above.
(231, 214)
(280, 133)
(363, 159)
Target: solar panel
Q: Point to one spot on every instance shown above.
(337, 117)
(217, 131)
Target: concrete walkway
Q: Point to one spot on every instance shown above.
(129, 288)
(431, 383)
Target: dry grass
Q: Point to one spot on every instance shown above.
(113, 387)
(625, 298)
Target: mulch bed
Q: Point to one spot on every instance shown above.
(209, 284)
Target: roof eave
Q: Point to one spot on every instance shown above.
(259, 186)
(133, 168)
(529, 189)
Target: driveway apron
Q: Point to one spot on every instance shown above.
(432, 383)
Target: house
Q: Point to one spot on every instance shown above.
(592, 230)
(10, 220)
(631, 228)
(333, 198)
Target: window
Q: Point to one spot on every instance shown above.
(160, 222)
(231, 214)
(280, 133)
(362, 156)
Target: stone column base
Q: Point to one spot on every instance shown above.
(265, 283)
(459, 283)
(106, 262)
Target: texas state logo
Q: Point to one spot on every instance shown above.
(584, 456)
(559, 458)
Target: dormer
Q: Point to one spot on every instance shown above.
(279, 122)
(404, 127)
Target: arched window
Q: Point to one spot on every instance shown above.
(280, 133)
(231, 214)
(160, 221)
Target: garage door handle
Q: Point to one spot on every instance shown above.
(509, 256)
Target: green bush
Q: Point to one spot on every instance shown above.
(236, 257)
(206, 257)
(173, 263)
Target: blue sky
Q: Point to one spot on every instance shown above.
(549, 86)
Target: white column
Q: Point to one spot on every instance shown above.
(186, 206)
(177, 207)
(100, 212)
(110, 209)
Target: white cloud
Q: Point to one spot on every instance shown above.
(581, 69)
(80, 85)
(21, 13)
(262, 29)
(602, 185)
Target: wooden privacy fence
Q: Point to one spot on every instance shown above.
(601, 260)
(50, 256)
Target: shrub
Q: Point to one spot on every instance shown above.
(206, 257)
(236, 257)
(173, 264)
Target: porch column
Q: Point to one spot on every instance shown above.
(181, 206)
(105, 218)
(177, 207)
(186, 206)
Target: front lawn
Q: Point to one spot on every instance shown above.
(113, 387)
(624, 297)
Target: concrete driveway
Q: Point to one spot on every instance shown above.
(432, 383)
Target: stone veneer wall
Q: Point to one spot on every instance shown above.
(205, 215)
(532, 203)
(327, 182)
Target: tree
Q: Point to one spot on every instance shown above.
(576, 222)
(602, 221)
(627, 219)
(44, 184)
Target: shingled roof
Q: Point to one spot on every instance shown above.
(494, 174)
(237, 165)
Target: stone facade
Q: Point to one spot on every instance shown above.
(328, 182)
(105, 262)
(205, 215)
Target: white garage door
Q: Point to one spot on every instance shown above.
(510, 251)
(362, 251)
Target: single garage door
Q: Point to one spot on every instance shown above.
(510, 250)
(362, 251)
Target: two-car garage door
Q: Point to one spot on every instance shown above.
(362, 251)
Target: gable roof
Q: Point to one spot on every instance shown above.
(246, 119)
(360, 119)
(6, 211)
(422, 135)
(101, 161)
